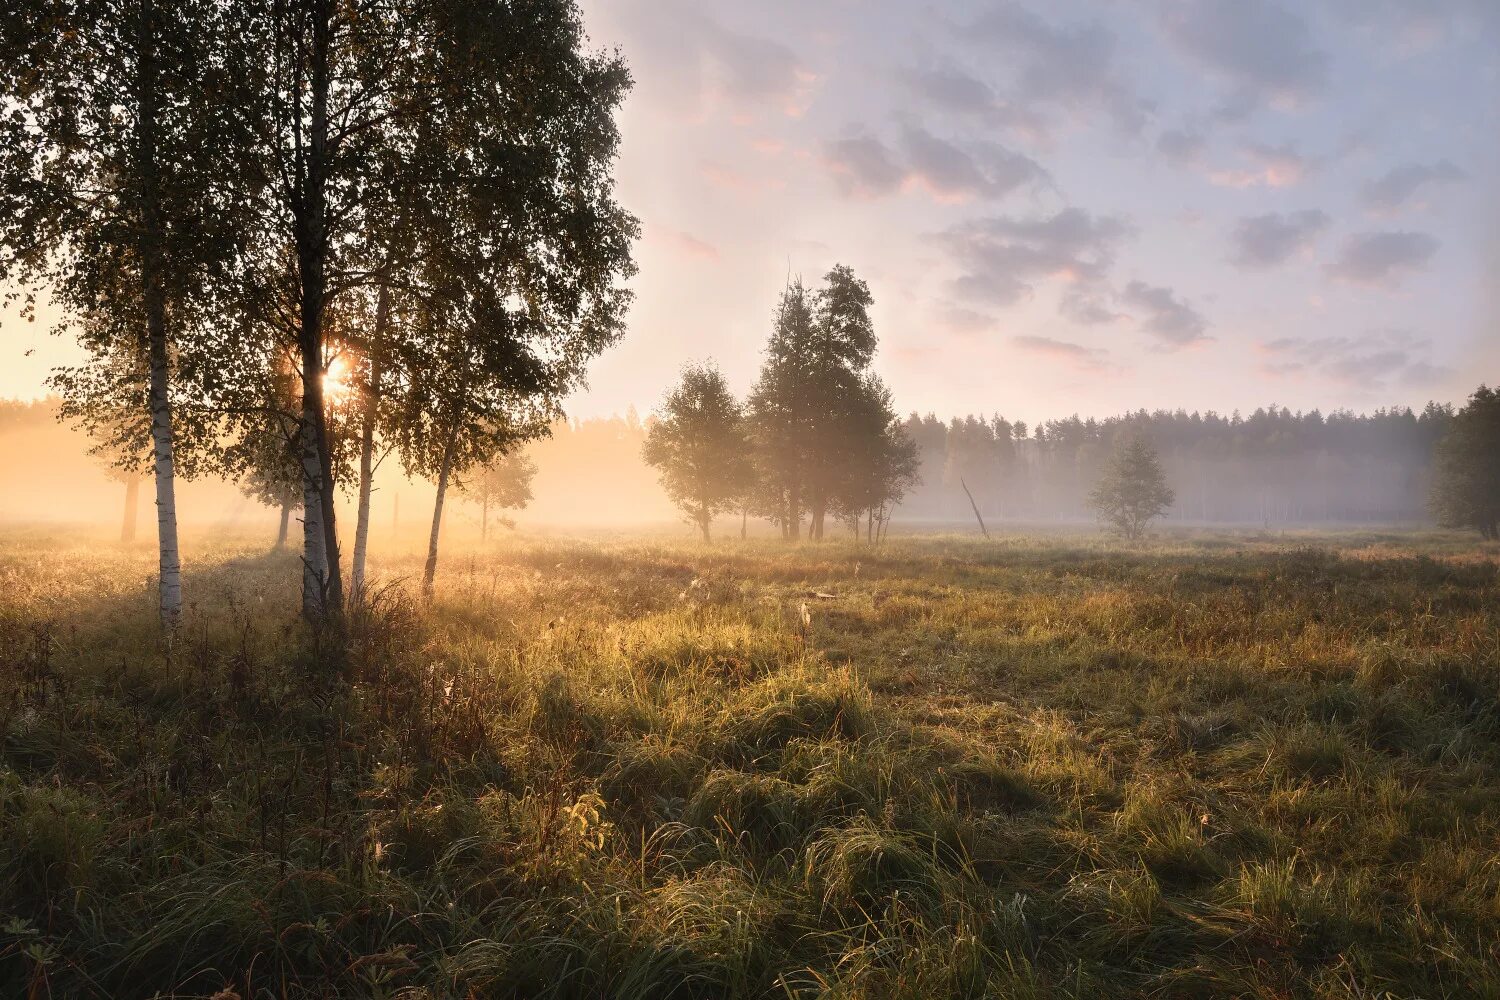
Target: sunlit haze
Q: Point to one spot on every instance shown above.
(1062, 207)
(640, 499)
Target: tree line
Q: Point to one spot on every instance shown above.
(770, 457)
(297, 237)
(1272, 466)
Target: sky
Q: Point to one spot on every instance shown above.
(1072, 206)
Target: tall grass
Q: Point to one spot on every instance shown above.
(635, 768)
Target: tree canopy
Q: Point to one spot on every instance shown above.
(699, 444)
(1466, 481)
(1133, 490)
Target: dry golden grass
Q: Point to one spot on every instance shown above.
(633, 767)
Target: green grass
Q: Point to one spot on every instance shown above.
(1034, 767)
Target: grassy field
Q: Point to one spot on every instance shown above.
(1034, 767)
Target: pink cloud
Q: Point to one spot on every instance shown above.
(1078, 356)
(686, 243)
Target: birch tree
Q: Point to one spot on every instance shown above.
(493, 110)
(108, 158)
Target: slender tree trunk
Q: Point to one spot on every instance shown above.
(367, 447)
(744, 522)
(484, 518)
(429, 571)
(132, 509)
(311, 253)
(286, 520)
(704, 520)
(155, 301)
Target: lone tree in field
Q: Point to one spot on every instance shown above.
(1133, 490)
(504, 483)
(699, 445)
(1466, 480)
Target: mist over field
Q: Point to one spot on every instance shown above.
(80, 489)
(1272, 468)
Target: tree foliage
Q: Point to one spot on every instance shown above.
(503, 482)
(700, 446)
(1133, 490)
(112, 152)
(812, 400)
(1466, 480)
(876, 461)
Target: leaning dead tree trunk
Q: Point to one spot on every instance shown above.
(429, 571)
(979, 517)
(155, 301)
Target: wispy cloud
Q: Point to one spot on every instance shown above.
(1382, 259)
(1395, 188)
(1262, 51)
(1264, 241)
(1371, 361)
(1076, 355)
(685, 243)
(866, 167)
(1065, 71)
(1172, 321)
(1002, 258)
(1265, 165)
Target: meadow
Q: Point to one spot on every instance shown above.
(1036, 766)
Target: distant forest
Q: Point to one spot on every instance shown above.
(1272, 467)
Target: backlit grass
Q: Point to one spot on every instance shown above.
(1037, 766)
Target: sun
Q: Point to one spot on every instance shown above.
(336, 382)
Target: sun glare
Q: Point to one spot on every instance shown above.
(336, 382)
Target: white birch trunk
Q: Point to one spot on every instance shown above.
(155, 302)
(169, 562)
